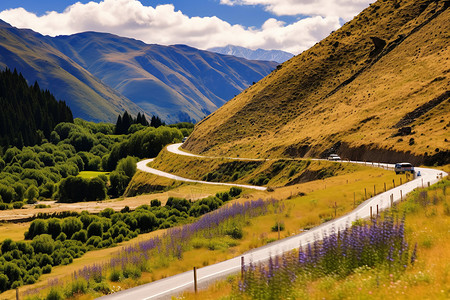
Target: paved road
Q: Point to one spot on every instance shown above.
(165, 288)
(142, 165)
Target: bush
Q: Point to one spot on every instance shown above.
(115, 275)
(102, 287)
(43, 244)
(155, 203)
(3, 282)
(4, 206)
(37, 227)
(17, 205)
(236, 233)
(80, 236)
(127, 166)
(55, 294)
(275, 227)
(71, 225)
(47, 269)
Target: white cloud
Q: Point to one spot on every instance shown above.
(164, 25)
(345, 9)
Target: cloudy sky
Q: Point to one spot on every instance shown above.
(289, 25)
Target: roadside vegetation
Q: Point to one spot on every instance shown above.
(403, 253)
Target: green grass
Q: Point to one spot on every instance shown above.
(92, 174)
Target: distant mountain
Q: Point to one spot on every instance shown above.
(177, 83)
(258, 54)
(32, 55)
(377, 89)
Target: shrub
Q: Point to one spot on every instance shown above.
(127, 166)
(47, 269)
(43, 244)
(71, 225)
(17, 205)
(4, 206)
(94, 241)
(115, 275)
(275, 226)
(102, 287)
(155, 203)
(95, 229)
(37, 227)
(55, 294)
(235, 191)
(3, 282)
(236, 233)
(132, 271)
(80, 236)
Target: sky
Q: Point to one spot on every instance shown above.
(289, 25)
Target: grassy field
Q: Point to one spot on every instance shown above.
(305, 205)
(92, 174)
(427, 223)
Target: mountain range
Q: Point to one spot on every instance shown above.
(100, 75)
(258, 54)
(376, 89)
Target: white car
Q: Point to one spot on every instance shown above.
(334, 157)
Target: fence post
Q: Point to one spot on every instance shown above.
(422, 182)
(374, 192)
(195, 279)
(392, 200)
(401, 195)
(17, 293)
(428, 184)
(371, 212)
(365, 194)
(242, 267)
(393, 182)
(377, 209)
(385, 186)
(401, 181)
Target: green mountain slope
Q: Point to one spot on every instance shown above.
(177, 83)
(376, 89)
(88, 97)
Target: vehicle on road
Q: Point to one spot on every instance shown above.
(184, 139)
(403, 168)
(334, 157)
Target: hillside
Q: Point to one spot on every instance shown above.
(258, 54)
(88, 98)
(376, 89)
(177, 83)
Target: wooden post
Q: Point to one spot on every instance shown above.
(392, 200)
(371, 212)
(393, 182)
(385, 186)
(278, 225)
(401, 181)
(17, 293)
(377, 209)
(401, 195)
(428, 184)
(365, 193)
(422, 182)
(374, 192)
(195, 279)
(242, 268)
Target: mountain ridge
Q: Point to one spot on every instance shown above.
(278, 56)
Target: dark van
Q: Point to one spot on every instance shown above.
(403, 168)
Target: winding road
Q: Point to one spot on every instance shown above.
(165, 288)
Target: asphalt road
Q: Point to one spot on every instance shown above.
(165, 288)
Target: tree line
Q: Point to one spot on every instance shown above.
(28, 114)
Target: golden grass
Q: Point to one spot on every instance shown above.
(292, 107)
(428, 278)
(14, 231)
(299, 212)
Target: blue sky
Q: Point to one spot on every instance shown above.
(290, 25)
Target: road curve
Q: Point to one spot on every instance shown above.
(142, 165)
(165, 288)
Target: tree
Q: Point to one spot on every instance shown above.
(32, 193)
(127, 166)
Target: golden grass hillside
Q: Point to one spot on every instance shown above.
(376, 89)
